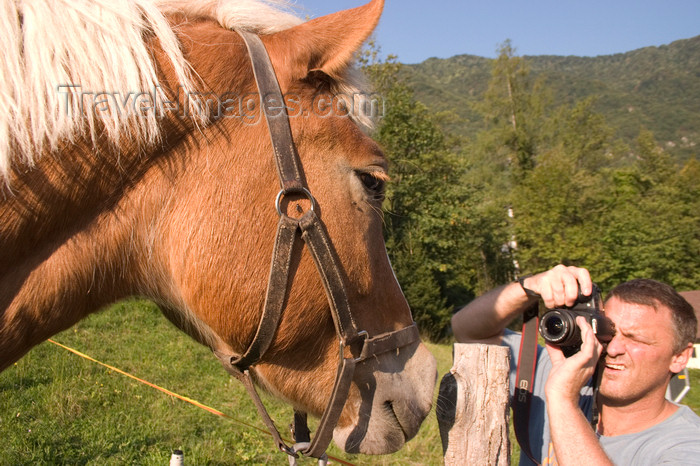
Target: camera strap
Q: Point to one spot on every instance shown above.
(597, 375)
(527, 361)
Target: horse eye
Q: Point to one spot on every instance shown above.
(372, 184)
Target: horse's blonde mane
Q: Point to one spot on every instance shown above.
(51, 46)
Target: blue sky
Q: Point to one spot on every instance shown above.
(416, 30)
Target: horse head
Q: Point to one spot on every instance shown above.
(229, 222)
(191, 223)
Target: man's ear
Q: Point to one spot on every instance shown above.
(325, 44)
(680, 360)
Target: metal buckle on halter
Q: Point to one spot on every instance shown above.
(298, 447)
(299, 190)
(361, 334)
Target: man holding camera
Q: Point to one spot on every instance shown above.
(654, 331)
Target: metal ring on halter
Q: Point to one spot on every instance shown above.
(283, 193)
(322, 461)
(361, 333)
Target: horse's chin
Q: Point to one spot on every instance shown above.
(390, 441)
(392, 404)
(385, 434)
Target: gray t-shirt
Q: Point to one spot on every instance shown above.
(676, 440)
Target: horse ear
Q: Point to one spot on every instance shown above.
(327, 43)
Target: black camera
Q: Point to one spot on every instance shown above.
(558, 326)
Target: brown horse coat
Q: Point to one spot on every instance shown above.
(185, 215)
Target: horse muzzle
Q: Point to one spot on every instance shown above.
(391, 396)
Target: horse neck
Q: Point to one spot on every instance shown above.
(69, 242)
(79, 229)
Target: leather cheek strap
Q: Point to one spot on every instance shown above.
(324, 434)
(315, 237)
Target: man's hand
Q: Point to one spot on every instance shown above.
(484, 319)
(562, 389)
(559, 286)
(569, 375)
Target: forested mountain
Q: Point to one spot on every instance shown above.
(655, 88)
(510, 166)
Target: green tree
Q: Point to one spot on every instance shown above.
(500, 158)
(653, 222)
(689, 195)
(426, 205)
(553, 180)
(547, 165)
(512, 109)
(560, 203)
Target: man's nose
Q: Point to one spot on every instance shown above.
(616, 346)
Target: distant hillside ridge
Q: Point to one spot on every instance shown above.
(657, 88)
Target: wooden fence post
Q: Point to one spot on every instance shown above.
(472, 407)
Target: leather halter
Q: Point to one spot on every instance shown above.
(313, 233)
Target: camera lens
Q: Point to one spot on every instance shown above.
(554, 327)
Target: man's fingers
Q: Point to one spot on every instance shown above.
(591, 347)
(584, 279)
(570, 286)
(556, 355)
(589, 353)
(559, 286)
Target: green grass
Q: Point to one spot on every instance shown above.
(58, 408)
(692, 398)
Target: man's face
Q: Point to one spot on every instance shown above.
(640, 356)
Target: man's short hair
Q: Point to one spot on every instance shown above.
(647, 292)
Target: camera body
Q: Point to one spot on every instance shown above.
(558, 326)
